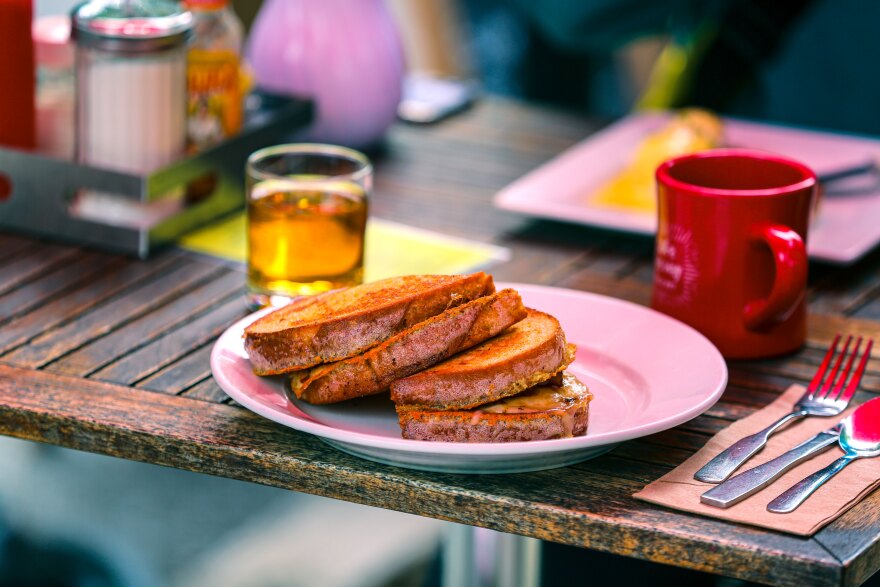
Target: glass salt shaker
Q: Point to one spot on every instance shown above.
(130, 83)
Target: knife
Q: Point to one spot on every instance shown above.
(741, 486)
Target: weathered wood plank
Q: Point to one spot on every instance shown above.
(34, 262)
(141, 331)
(642, 271)
(677, 438)
(804, 364)
(705, 424)
(647, 452)
(167, 348)
(797, 372)
(780, 379)
(146, 288)
(766, 383)
(491, 127)
(616, 464)
(537, 266)
(624, 288)
(621, 259)
(870, 310)
(416, 204)
(854, 539)
(206, 390)
(571, 505)
(182, 374)
(79, 271)
(730, 411)
(843, 290)
(502, 164)
(13, 245)
(454, 172)
(823, 327)
(547, 252)
(65, 308)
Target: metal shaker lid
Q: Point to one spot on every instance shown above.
(131, 26)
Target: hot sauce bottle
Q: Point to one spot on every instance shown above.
(215, 101)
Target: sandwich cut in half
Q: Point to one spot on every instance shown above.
(510, 388)
(344, 323)
(418, 347)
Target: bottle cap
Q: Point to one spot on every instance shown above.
(140, 26)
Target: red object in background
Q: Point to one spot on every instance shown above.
(17, 77)
(5, 188)
(730, 256)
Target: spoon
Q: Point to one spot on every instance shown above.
(859, 438)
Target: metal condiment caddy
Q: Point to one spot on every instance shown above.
(36, 191)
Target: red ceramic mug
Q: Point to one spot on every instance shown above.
(730, 257)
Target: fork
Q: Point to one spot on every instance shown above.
(820, 399)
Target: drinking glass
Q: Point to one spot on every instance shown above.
(307, 211)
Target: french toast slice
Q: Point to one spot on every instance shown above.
(529, 352)
(542, 412)
(343, 323)
(410, 351)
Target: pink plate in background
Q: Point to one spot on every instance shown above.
(647, 372)
(847, 226)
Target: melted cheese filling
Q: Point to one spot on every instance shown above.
(542, 398)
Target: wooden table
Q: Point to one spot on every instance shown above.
(110, 355)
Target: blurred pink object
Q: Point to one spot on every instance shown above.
(55, 101)
(346, 55)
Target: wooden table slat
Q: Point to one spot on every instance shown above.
(206, 390)
(13, 246)
(149, 289)
(33, 263)
(870, 310)
(141, 331)
(62, 279)
(844, 292)
(645, 451)
(853, 540)
(69, 321)
(730, 411)
(162, 351)
(182, 374)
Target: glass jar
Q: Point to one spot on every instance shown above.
(131, 83)
(215, 97)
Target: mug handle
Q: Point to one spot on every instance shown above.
(789, 285)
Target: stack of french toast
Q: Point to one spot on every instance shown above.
(463, 362)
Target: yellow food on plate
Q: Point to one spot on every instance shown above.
(690, 131)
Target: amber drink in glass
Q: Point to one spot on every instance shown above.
(307, 211)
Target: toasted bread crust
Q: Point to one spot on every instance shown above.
(341, 324)
(412, 350)
(478, 426)
(460, 427)
(526, 354)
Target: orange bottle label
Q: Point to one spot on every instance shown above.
(214, 111)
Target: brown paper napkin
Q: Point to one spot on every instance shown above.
(679, 490)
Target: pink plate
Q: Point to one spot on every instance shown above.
(647, 372)
(845, 229)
